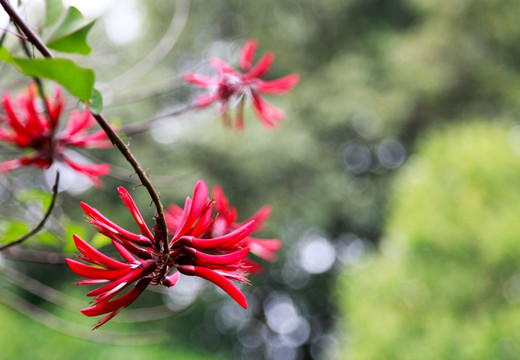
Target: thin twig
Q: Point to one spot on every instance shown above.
(161, 230)
(42, 222)
(6, 31)
(145, 125)
(37, 256)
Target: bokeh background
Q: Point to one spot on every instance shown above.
(394, 183)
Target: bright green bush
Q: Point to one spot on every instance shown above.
(447, 282)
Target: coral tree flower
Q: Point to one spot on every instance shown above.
(225, 222)
(30, 128)
(147, 261)
(231, 85)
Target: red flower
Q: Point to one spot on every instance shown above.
(30, 128)
(231, 85)
(218, 259)
(225, 222)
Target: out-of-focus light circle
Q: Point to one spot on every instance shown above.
(357, 157)
(325, 347)
(228, 317)
(299, 335)
(251, 337)
(280, 313)
(391, 153)
(184, 293)
(124, 23)
(282, 352)
(317, 255)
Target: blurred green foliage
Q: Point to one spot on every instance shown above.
(22, 339)
(447, 283)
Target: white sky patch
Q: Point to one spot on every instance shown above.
(124, 23)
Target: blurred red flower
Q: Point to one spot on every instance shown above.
(231, 85)
(225, 221)
(30, 128)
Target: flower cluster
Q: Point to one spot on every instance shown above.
(193, 250)
(30, 128)
(232, 85)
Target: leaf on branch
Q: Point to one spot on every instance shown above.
(77, 80)
(71, 35)
(53, 10)
(95, 104)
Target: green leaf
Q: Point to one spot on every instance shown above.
(53, 10)
(71, 35)
(77, 80)
(74, 43)
(96, 102)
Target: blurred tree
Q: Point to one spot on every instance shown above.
(447, 283)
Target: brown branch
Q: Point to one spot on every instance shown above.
(42, 222)
(112, 135)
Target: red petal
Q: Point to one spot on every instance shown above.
(96, 273)
(267, 113)
(78, 122)
(261, 66)
(226, 241)
(206, 100)
(124, 253)
(96, 257)
(278, 86)
(199, 202)
(171, 280)
(130, 204)
(221, 260)
(200, 80)
(12, 164)
(263, 248)
(221, 202)
(221, 66)
(260, 217)
(217, 279)
(247, 54)
(97, 219)
(92, 171)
